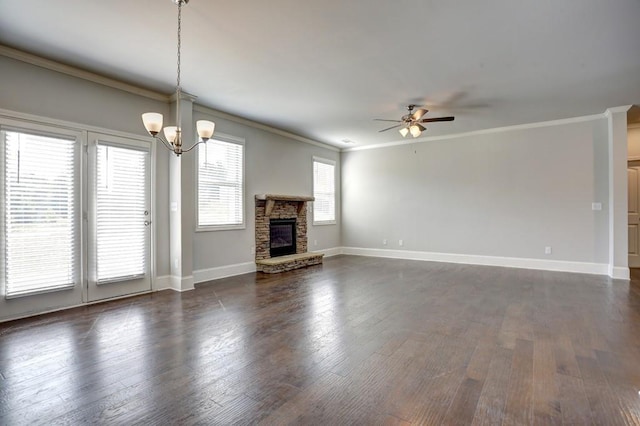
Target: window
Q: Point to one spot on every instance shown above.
(121, 213)
(220, 194)
(40, 217)
(324, 191)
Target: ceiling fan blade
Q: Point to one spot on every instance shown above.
(382, 119)
(389, 128)
(419, 113)
(431, 120)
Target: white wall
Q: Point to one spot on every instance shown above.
(34, 90)
(275, 164)
(504, 194)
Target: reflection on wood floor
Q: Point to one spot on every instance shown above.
(354, 341)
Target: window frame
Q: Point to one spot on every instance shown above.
(313, 191)
(9, 124)
(228, 227)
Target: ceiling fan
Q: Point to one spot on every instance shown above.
(412, 122)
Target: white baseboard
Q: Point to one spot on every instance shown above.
(182, 283)
(509, 262)
(334, 251)
(619, 273)
(210, 274)
(204, 275)
(161, 283)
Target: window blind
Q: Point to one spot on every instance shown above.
(220, 183)
(41, 215)
(121, 203)
(324, 191)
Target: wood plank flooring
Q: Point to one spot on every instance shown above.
(354, 341)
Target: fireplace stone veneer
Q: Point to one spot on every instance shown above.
(270, 206)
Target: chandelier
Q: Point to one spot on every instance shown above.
(173, 134)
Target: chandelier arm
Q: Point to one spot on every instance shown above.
(193, 146)
(164, 142)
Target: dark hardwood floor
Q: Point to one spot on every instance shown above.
(354, 341)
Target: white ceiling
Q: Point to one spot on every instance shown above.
(325, 69)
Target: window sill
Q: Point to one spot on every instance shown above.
(325, 222)
(220, 228)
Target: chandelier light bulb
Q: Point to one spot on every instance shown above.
(205, 129)
(415, 130)
(170, 132)
(404, 131)
(152, 122)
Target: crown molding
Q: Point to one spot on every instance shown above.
(480, 132)
(613, 110)
(210, 111)
(29, 58)
(110, 82)
(183, 96)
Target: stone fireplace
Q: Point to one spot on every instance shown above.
(281, 233)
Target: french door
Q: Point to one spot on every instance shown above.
(41, 223)
(75, 221)
(119, 218)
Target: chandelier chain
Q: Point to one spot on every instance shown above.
(179, 43)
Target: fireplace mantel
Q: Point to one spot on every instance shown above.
(272, 198)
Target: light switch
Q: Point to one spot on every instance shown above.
(596, 206)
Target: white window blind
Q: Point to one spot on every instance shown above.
(220, 184)
(324, 191)
(121, 203)
(40, 213)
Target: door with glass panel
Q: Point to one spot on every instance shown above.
(41, 223)
(119, 217)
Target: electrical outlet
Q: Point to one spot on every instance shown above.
(253, 249)
(596, 206)
(547, 250)
(400, 243)
(315, 242)
(384, 242)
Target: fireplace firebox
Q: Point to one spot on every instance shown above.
(282, 239)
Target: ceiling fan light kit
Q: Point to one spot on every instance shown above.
(416, 130)
(412, 122)
(173, 134)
